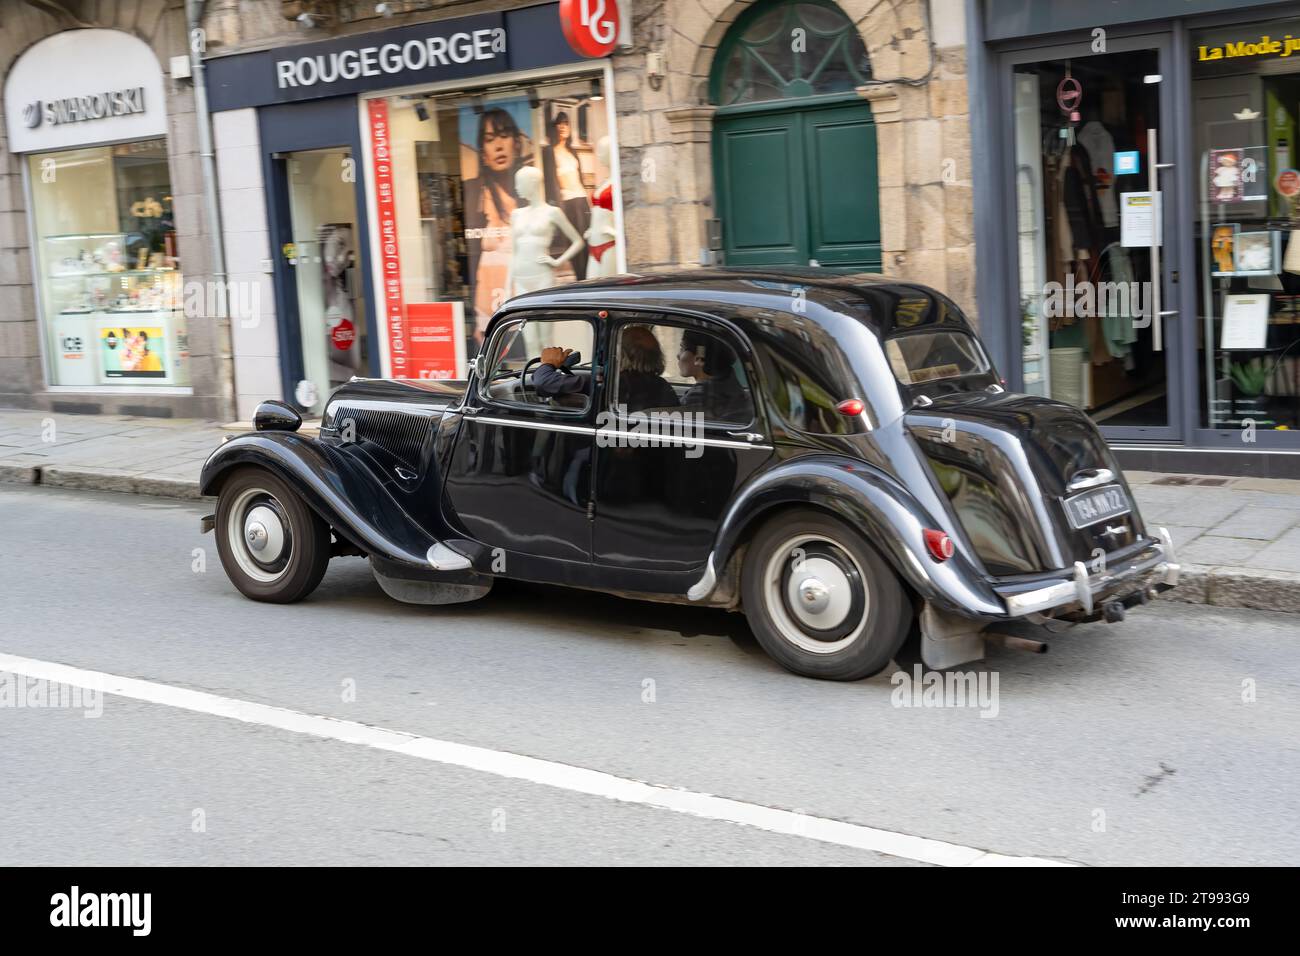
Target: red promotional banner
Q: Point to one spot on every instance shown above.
(431, 332)
(390, 259)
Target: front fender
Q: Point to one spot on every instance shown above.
(336, 483)
(887, 513)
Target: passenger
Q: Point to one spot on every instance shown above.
(640, 371)
(716, 391)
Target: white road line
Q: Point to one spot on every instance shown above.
(519, 767)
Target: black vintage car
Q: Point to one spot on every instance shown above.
(835, 456)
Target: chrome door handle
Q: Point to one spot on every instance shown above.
(748, 436)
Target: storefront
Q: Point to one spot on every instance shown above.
(86, 111)
(414, 179)
(1149, 167)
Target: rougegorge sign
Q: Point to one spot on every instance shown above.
(481, 44)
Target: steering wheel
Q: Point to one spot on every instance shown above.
(523, 375)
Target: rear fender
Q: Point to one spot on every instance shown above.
(870, 501)
(337, 484)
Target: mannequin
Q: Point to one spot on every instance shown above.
(532, 227)
(336, 259)
(602, 239)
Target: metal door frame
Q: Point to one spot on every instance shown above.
(1178, 337)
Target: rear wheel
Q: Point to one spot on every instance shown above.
(273, 546)
(821, 601)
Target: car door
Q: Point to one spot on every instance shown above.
(671, 449)
(519, 478)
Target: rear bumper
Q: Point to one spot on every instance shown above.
(1082, 590)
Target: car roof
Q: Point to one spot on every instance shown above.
(735, 293)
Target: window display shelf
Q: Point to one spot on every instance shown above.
(114, 275)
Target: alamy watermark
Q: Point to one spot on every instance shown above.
(618, 428)
(977, 689)
(19, 691)
(1099, 300)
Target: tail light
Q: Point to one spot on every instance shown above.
(939, 544)
(851, 407)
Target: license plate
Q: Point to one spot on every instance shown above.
(1096, 505)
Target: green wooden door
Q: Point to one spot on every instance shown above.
(798, 186)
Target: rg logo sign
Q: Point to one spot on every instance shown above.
(590, 26)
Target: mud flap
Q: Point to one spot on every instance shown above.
(948, 640)
(412, 591)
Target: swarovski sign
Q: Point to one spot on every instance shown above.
(79, 109)
(82, 87)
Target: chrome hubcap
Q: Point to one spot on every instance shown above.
(259, 534)
(816, 593)
(264, 532)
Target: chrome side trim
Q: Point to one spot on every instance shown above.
(641, 439)
(705, 585)
(536, 426)
(652, 441)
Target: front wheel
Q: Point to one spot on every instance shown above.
(273, 546)
(821, 601)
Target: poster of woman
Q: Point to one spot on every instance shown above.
(566, 178)
(494, 145)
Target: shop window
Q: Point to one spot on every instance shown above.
(109, 273)
(1245, 102)
(482, 197)
(785, 50)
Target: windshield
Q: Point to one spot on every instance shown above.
(918, 358)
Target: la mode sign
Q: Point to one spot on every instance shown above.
(81, 87)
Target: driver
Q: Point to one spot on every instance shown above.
(549, 381)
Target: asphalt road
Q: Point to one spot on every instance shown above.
(1126, 744)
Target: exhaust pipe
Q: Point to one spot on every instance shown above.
(1013, 643)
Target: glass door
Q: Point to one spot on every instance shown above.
(1095, 277)
(323, 257)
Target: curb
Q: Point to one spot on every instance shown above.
(87, 478)
(1252, 588)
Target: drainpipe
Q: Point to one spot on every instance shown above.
(194, 10)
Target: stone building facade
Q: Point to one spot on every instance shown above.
(665, 130)
(25, 376)
(918, 98)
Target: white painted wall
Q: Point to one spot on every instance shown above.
(247, 249)
(947, 22)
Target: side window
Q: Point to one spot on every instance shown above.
(667, 368)
(514, 375)
(800, 399)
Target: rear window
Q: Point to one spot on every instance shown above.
(919, 358)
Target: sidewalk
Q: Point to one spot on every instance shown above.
(1238, 539)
